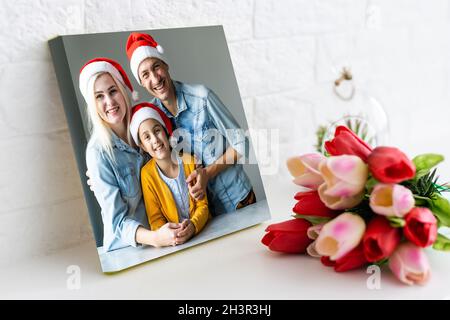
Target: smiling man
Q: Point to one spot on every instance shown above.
(213, 134)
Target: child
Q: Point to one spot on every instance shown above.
(164, 186)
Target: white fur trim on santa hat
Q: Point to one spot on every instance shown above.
(140, 116)
(94, 68)
(140, 54)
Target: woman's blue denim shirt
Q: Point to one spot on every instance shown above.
(117, 187)
(205, 119)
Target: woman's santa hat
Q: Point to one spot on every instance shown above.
(144, 111)
(141, 46)
(97, 65)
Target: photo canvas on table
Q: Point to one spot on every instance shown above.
(137, 196)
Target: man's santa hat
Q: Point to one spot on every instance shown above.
(141, 46)
(144, 111)
(98, 65)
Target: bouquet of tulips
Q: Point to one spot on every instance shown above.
(364, 206)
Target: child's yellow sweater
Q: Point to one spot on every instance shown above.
(159, 202)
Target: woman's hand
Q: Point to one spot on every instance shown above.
(187, 230)
(197, 182)
(167, 234)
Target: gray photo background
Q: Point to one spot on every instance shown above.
(195, 55)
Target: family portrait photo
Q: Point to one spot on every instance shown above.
(161, 140)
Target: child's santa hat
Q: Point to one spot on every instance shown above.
(98, 65)
(144, 111)
(141, 46)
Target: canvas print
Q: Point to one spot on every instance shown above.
(160, 138)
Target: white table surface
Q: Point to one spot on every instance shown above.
(236, 266)
(218, 226)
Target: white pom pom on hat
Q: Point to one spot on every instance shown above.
(160, 49)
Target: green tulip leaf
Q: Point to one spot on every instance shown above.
(425, 162)
(370, 184)
(441, 209)
(396, 222)
(312, 219)
(442, 243)
(381, 262)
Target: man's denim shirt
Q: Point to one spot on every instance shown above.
(117, 187)
(205, 118)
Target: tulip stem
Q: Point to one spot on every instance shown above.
(421, 198)
(421, 201)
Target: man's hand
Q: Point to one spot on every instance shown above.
(186, 231)
(197, 182)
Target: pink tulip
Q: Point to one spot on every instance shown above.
(345, 178)
(305, 170)
(410, 264)
(314, 231)
(392, 200)
(311, 250)
(340, 236)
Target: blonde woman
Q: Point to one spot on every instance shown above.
(113, 160)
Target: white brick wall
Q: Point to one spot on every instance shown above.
(398, 51)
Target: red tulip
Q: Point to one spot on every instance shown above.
(421, 227)
(390, 165)
(327, 262)
(380, 239)
(288, 236)
(352, 260)
(309, 204)
(347, 142)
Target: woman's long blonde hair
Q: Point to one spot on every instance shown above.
(100, 129)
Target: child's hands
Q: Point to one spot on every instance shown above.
(186, 231)
(167, 234)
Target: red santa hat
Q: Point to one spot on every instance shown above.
(141, 46)
(144, 111)
(98, 65)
